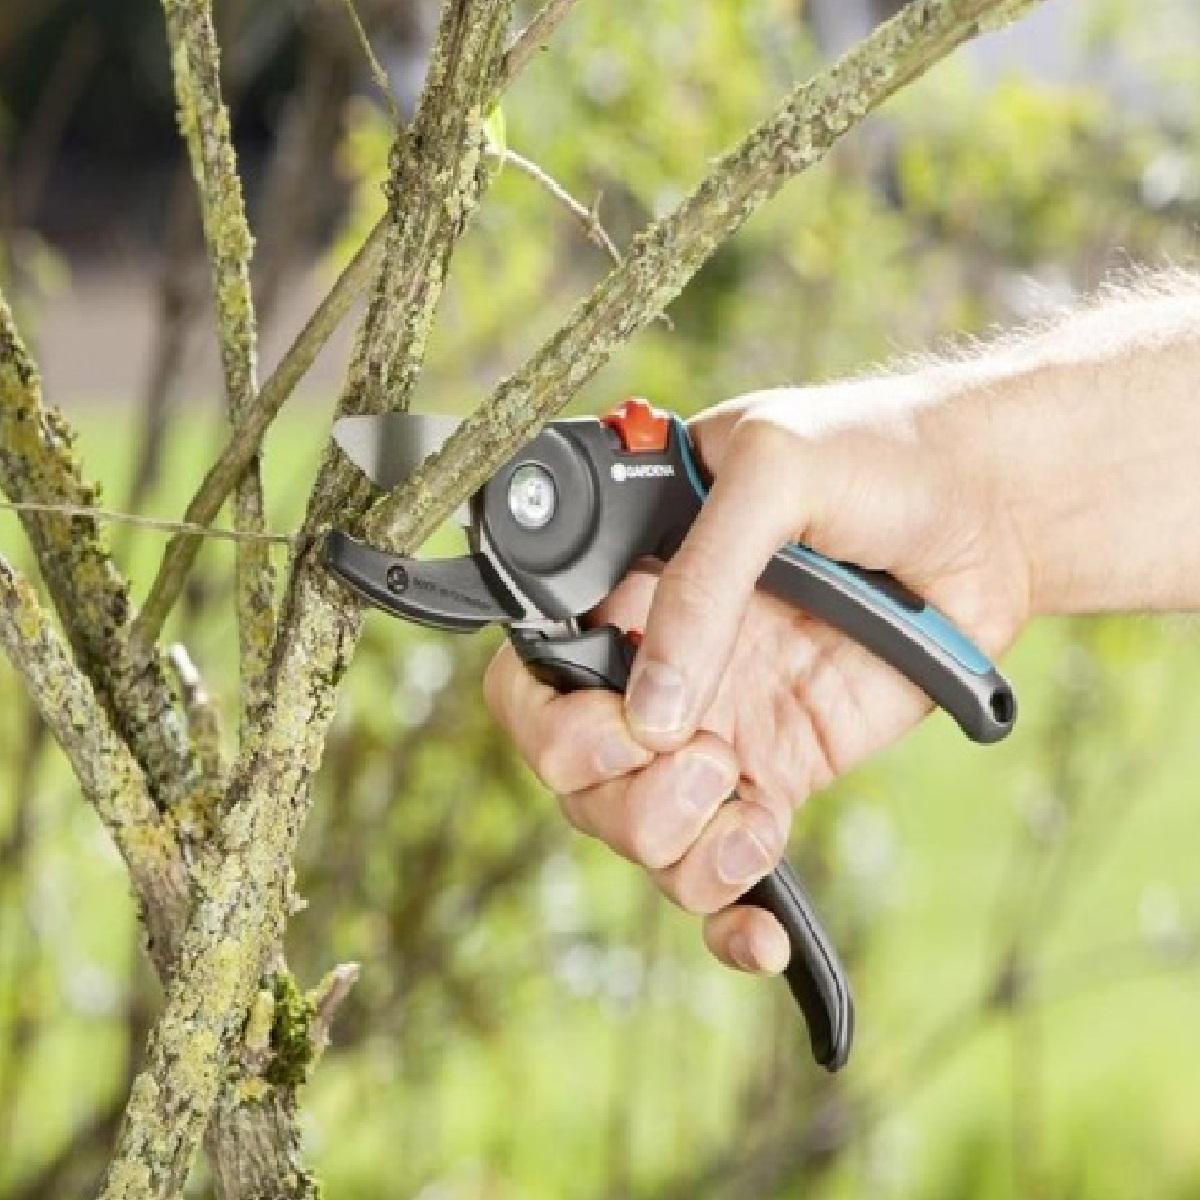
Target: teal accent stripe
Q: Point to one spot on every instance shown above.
(929, 622)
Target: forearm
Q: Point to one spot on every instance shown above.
(1088, 435)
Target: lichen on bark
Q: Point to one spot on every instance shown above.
(240, 915)
(38, 463)
(108, 773)
(248, 1145)
(205, 127)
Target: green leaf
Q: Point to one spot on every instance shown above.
(495, 129)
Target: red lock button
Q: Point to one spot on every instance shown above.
(642, 429)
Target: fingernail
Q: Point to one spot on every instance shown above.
(657, 700)
(617, 755)
(742, 858)
(742, 952)
(701, 785)
(704, 783)
(770, 949)
(764, 949)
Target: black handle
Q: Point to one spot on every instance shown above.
(602, 658)
(914, 637)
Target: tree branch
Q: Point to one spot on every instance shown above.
(378, 75)
(665, 257)
(38, 464)
(254, 1138)
(588, 219)
(436, 179)
(246, 440)
(110, 776)
(327, 997)
(533, 38)
(204, 123)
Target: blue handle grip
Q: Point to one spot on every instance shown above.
(902, 629)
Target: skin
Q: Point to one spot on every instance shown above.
(1052, 472)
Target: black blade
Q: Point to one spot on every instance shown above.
(457, 594)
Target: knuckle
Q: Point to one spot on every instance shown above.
(551, 763)
(656, 830)
(575, 812)
(693, 896)
(648, 847)
(758, 441)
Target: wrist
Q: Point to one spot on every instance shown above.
(1084, 442)
(1013, 450)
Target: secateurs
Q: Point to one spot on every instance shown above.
(554, 531)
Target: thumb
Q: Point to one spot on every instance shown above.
(702, 596)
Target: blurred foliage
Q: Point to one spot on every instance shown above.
(531, 1020)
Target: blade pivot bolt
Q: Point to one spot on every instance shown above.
(532, 496)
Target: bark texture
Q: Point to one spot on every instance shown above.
(38, 463)
(204, 124)
(109, 775)
(435, 182)
(115, 717)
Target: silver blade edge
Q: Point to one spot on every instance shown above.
(389, 447)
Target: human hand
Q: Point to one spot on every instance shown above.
(733, 689)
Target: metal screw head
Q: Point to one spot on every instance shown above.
(532, 496)
(397, 580)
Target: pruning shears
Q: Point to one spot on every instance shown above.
(560, 525)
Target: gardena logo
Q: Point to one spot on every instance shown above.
(623, 471)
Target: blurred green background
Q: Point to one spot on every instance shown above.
(532, 1021)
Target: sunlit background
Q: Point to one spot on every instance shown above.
(1021, 922)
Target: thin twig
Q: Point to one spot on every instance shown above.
(190, 529)
(378, 75)
(182, 295)
(205, 124)
(310, 130)
(533, 38)
(327, 997)
(588, 218)
(245, 440)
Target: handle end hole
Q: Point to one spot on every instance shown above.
(1004, 706)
